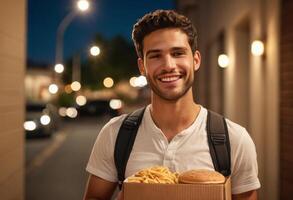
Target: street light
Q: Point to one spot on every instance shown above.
(76, 70)
(59, 68)
(82, 5)
(95, 51)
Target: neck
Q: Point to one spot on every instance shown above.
(174, 116)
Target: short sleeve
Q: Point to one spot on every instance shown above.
(244, 176)
(101, 161)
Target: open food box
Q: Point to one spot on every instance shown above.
(156, 191)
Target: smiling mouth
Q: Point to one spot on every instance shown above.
(168, 79)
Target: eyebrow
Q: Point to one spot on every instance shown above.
(179, 48)
(153, 51)
(158, 50)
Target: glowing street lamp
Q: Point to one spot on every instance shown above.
(82, 6)
(59, 68)
(95, 51)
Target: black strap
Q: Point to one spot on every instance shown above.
(124, 142)
(219, 143)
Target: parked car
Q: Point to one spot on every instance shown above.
(98, 108)
(40, 120)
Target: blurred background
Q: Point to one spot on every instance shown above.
(68, 66)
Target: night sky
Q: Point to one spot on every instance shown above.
(108, 17)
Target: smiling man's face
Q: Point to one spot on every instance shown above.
(168, 63)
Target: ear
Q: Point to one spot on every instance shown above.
(141, 66)
(197, 60)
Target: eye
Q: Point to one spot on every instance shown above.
(178, 53)
(154, 56)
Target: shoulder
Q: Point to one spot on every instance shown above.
(108, 133)
(243, 159)
(238, 135)
(101, 162)
(241, 142)
(236, 132)
(114, 123)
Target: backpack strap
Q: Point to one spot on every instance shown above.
(219, 144)
(124, 142)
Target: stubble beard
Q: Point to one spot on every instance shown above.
(174, 96)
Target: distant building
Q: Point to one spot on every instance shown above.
(255, 91)
(37, 80)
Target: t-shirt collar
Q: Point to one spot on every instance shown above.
(152, 127)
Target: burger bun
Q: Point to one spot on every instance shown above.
(202, 176)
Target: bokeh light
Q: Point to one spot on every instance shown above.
(75, 86)
(45, 119)
(62, 111)
(95, 51)
(29, 125)
(59, 68)
(83, 5)
(257, 48)
(108, 82)
(80, 100)
(115, 104)
(71, 112)
(53, 88)
(223, 60)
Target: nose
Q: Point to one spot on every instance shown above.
(168, 63)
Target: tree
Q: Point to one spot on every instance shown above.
(116, 60)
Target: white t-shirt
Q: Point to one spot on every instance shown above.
(187, 150)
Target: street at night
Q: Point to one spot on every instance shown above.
(217, 76)
(55, 167)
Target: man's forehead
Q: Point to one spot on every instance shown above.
(165, 39)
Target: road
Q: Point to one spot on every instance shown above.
(55, 167)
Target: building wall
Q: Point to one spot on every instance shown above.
(250, 84)
(12, 67)
(286, 100)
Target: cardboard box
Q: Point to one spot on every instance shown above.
(146, 191)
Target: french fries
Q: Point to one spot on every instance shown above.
(157, 174)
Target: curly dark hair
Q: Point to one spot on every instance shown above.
(160, 19)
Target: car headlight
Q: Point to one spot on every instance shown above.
(45, 119)
(29, 125)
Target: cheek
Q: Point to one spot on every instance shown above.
(187, 63)
(151, 67)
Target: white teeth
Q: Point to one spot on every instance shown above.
(168, 79)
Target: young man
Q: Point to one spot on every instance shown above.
(173, 129)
